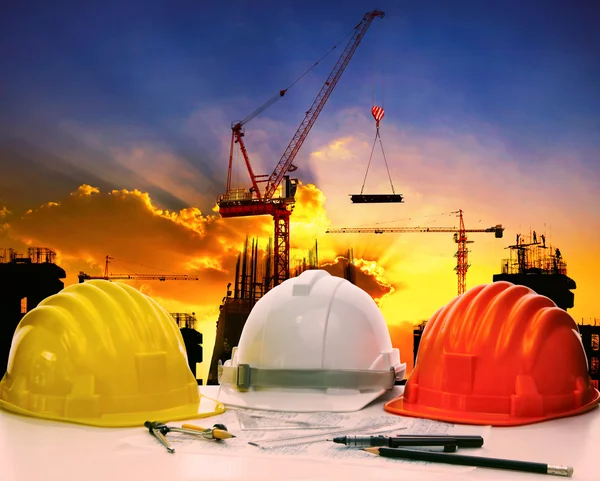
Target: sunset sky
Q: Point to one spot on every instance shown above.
(115, 129)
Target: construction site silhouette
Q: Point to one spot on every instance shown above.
(25, 280)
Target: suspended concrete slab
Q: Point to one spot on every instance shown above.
(376, 198)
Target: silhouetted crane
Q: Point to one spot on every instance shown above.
(137, 277)
(460, 237)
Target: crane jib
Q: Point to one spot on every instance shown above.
(312, 114)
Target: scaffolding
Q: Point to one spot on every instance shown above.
(305, 264)
(184, 319)
(531, 255)
(253, 279)
(35, 255)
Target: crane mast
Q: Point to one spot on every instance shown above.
(239, 202)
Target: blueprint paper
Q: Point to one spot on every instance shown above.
(308, 443)
(249, 421)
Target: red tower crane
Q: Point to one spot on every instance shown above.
(460, 237)
(241, 202)
(139, 277)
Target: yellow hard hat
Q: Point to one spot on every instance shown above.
(99, 353)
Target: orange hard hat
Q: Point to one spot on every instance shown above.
(498, 355)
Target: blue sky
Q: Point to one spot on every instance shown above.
(528, 68)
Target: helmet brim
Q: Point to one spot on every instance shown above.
(301, 401)
(400, 407)
(126, 420)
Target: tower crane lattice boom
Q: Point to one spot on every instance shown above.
(134, 277)
(384, 230)
(460, 237)
(239, 202)
(138, 277)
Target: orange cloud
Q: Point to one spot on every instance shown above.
(89, 224)
(374, 285)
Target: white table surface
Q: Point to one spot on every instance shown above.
(39, 450)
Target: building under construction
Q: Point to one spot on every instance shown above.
(24, 282)
(252, 280)
(540, 267)
(590, 337)
(191, 338)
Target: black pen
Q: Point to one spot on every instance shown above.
(475, 461)
(408, 440)
(448, 443)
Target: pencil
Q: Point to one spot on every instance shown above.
(473, 461)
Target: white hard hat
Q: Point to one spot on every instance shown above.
(314, 343)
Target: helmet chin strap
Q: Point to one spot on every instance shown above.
(242, 377)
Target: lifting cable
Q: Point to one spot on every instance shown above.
(318, 61)
(378, 114)
(377, 136)
(281, 93)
